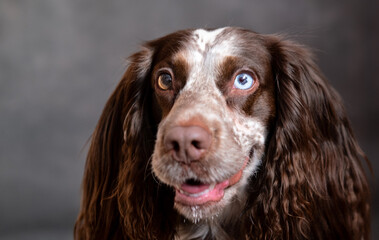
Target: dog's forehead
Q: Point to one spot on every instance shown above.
(203, 52)
(204, 39)
(203, 45)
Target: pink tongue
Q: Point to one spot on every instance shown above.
(191, 189)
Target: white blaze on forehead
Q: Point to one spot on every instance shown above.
(204, 52)
(212, 44)
(204, 37)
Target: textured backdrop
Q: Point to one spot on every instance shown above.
(61, 59)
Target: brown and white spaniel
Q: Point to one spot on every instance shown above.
(224, 134)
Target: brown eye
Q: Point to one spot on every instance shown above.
(164, 81)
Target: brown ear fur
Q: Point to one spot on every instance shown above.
(313, 185)
(120, 197)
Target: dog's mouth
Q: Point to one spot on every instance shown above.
(200, 193)
(193, 192)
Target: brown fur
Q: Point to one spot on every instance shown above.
(310, 185)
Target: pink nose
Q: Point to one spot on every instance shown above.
(187, 143)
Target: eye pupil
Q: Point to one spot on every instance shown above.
(242, 79)
(164, 81)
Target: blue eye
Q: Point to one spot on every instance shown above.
(243, 81)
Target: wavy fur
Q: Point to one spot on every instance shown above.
(311, 184)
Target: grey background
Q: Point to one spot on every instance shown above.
(61, 59)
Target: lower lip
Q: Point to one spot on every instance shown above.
(205, 193)
(210, 194)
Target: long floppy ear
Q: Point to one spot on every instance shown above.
(119, 194)
(314, 185)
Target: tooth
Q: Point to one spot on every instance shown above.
(211, 187)
(199, 194)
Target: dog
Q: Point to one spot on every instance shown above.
(224, 134)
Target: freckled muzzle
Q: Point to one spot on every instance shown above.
(204, 152)
(196, 141)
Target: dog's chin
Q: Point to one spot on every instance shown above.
(201, 209)
(197, 200)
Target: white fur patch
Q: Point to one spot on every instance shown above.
(204, 38)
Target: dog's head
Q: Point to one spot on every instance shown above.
(215, 93)
(239, 129)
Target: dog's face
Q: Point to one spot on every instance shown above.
(214, 94)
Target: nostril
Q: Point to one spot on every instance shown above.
(175, 146)
(196, 144)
